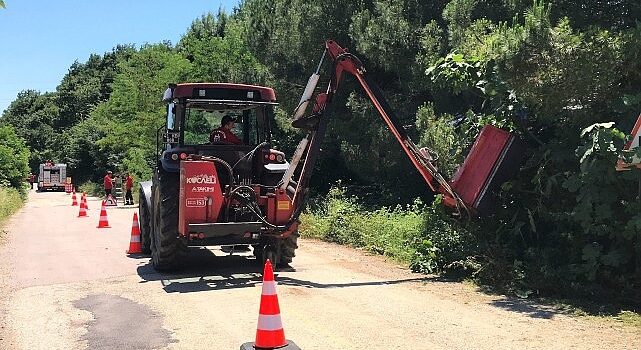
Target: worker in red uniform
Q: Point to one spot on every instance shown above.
(108, 183)
(129, 184)
(224, 134)
(31, 179)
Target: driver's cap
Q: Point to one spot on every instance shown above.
(226, 119)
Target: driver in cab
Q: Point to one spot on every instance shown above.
(224, 134)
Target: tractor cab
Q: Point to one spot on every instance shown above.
(195, 113)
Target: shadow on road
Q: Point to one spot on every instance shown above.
(288, 281)
(529, 308)
(205, 271)
(549, 308)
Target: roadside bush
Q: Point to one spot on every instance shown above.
(10, 201)
(444, 245)
(606, 249)
(92, 189)
(340, 219)
(14, 159)
(425, 237)
(569, 225)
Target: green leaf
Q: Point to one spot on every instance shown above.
(590, 128)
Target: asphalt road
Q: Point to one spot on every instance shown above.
(67, 285)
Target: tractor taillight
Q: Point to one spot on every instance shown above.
(273, 156)
(174, 156)
(183, 156)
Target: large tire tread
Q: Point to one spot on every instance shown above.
(168, 249)
(288, 248)
(145, 223)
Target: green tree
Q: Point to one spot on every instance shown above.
(33, 116)
(14, 158)
(128, 121)
(87, 84)
(217, 51)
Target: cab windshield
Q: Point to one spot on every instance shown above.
(199, 122)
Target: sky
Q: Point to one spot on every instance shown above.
(40, 39)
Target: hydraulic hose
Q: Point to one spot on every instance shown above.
(250, 153)
(226, 165)
(250, 203)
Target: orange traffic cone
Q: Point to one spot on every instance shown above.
(83, 199)
(83, 210)
(74, 201)
(269, 333)
(134, 243)
(103, 222)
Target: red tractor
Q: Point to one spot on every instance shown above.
(210, 191)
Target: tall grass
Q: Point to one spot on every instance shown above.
(419, 235)
(10, 201)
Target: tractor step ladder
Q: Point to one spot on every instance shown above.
(117, 190)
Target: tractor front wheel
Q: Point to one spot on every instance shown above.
(280, 252)
(288, 248)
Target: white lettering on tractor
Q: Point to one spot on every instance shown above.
(202, 189)
(202, 179)
(196, 202)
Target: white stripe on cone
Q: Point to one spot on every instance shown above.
(269, 288)
(269, 323)
(135, 239)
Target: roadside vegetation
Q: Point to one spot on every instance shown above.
(14, 170)
(563, 75)
(92, 189)
(418, 234)
(10, 201)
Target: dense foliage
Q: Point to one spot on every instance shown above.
(14, 156)
(565, 76)
(14, 169)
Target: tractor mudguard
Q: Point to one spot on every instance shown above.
(169, 165)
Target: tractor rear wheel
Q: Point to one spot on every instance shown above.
(168, 248)
(145, 227)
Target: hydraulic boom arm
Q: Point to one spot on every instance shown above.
(316, 126)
